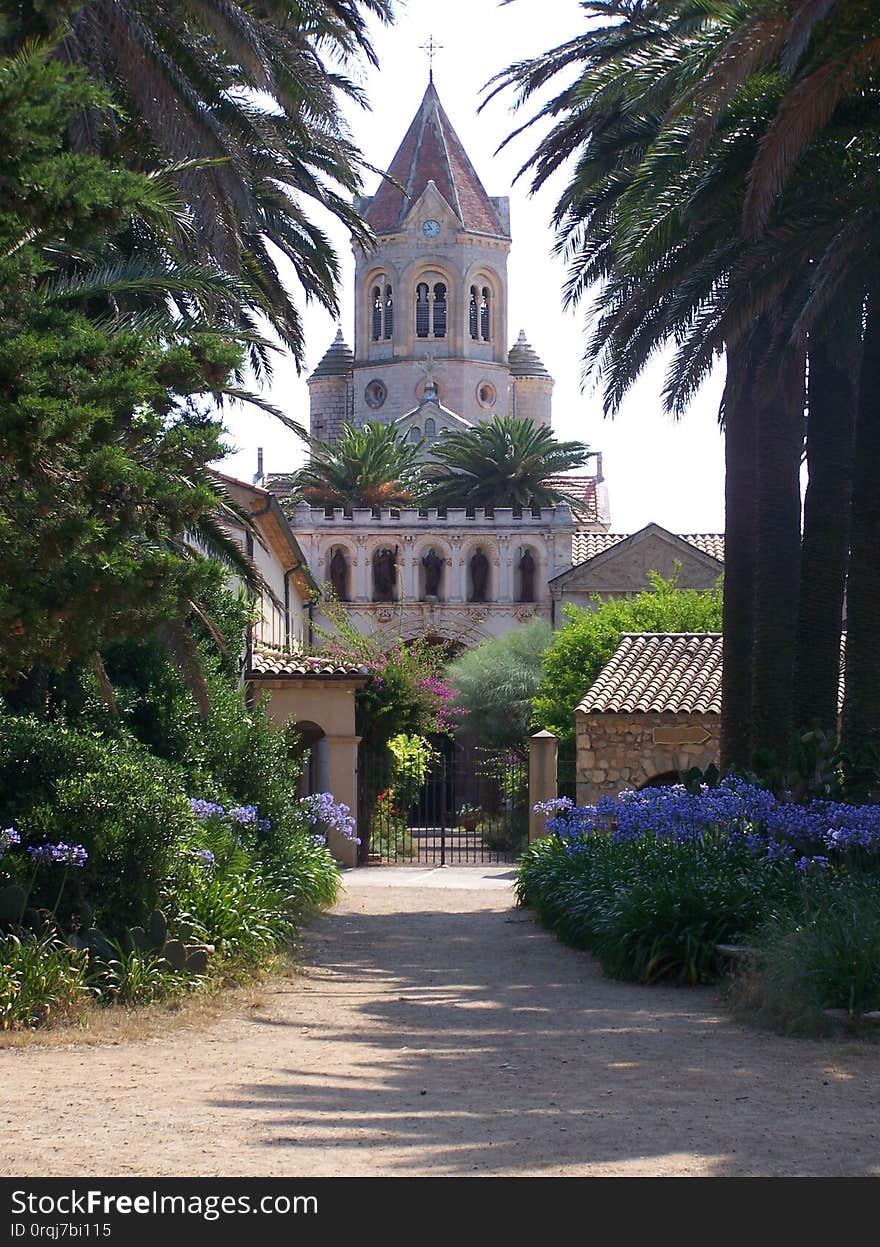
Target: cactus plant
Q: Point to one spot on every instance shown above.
(137, 940)
(197, 960)
(99, 946)
(174, 953)
(157, 928)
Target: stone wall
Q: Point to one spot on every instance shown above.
(617, 751)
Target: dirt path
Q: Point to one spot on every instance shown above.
(439, 1031)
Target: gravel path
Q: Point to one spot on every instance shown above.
(437, 1030)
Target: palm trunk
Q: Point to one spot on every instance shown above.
(860, 733)
(739, 560)
(833, 395)
(780, 441)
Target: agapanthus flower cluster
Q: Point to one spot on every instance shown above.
(8, 837)
(243, 814)
(205, 809)
(204, 856)
(324, 814)
(68, 854)
(741, 814)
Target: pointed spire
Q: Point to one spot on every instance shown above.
(338, 360)
(523, 360)
(431, 151)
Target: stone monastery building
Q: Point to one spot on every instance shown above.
(432, 352)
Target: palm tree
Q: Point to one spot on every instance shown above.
(371, 466)
(654, 209)
(505, 462)
(253, 90)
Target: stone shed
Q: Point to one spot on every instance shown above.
(652, 714)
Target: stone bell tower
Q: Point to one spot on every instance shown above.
(436, 283)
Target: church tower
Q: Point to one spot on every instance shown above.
(431, 332)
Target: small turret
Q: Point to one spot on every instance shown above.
(330, 391)
(531, 386)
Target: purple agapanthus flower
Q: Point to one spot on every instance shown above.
(69, 854)
(8, 837)
(205, 809)
(324, 814)
(243, 814)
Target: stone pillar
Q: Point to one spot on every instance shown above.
(543, 754)
(408, 579)
(363, 587)
(459, 575)
(505, 580)
(342, 753)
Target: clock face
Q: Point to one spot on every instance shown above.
(430, 228)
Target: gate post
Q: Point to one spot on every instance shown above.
(543, 754)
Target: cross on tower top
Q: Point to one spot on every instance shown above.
(432, 47)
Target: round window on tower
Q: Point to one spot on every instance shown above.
(375, 394)
(486, 394)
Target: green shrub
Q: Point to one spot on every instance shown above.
(495, 682)
(243, 914)
(820, 952)
(650, 909)
(126, 808)
(41, 981)
(122, 805)
(135, 978)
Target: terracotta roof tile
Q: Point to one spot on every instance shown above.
(586, 545)
(666, 673)
(431, 151)
(659, 673)
(583, 487)
(276, 664)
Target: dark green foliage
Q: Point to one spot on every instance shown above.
(128, 810)
(241, 913)
(255, 91)
(650, 909)
(105, 433)
(820, 952)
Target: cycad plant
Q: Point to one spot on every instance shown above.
(504, 462)
(370, 466)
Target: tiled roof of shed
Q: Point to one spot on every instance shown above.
(278, 665)
(659, 673)
(586, 545)
(583, 487)
(431, 151)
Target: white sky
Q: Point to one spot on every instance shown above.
(656, 469)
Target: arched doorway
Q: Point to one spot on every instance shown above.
(665, 779)
(313, 748)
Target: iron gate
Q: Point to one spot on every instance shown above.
(466, 805)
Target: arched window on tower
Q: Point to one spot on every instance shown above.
(415, 433)
(422, 317)
(430, 428)
(473, 315)
(389, 314)
(439, 310)
(485, 320)
(377, 313)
